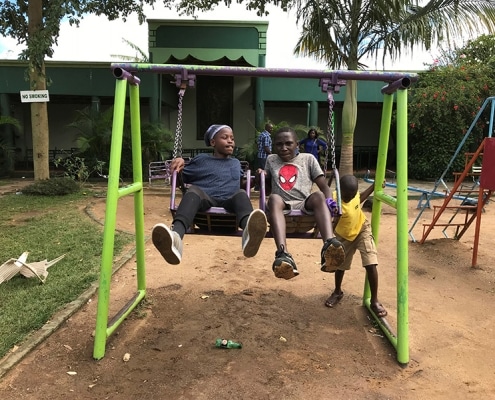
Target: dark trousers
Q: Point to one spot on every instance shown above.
(261, 163)
(195, 200)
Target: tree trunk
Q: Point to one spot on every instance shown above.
(349, 117)
(39, 111)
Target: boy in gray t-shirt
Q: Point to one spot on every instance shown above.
(289, 179)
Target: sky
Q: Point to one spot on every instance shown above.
(97, 39)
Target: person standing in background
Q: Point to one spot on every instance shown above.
(311, 144)
(264, 142)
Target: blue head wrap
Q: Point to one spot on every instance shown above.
(212, 131)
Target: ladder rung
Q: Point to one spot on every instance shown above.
(446, 224)
(456, 207)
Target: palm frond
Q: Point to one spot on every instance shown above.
(140, 56)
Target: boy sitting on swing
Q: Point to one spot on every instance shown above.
(215, 182)
(290, 178)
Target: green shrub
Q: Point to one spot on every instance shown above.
(94, 139)
(52, 187)
(443, 105)
(76, 169)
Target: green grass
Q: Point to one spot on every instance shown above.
(47, 227)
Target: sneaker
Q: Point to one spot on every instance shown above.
(168, 243)
(253, 233)
(332, 255)
(284, 265)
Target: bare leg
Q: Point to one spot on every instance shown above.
(277, 220)
(316, 203)
(375, 304)
(332, 253)
(337, 294)
(284, 265)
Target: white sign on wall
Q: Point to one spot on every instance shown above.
(34, 96)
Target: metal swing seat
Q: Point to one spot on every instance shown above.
(215, 220)
(298, 224)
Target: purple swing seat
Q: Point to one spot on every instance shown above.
(215, 220)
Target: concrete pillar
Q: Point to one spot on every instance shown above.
(313, 113)
(155, 101)
(259, 103)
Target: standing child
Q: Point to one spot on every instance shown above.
(354, 231)
(290, 177)
(215, 182)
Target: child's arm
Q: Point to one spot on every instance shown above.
(321, 182)
(366, 192)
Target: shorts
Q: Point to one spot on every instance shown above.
(365, 243)
(296, 205)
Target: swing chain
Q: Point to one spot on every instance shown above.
(182, 81)
(330, 130)
(331, 140)
(332, 86)
(178, 131)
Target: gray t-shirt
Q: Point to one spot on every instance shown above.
(293, 180)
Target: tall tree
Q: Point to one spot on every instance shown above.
(36, 23)
(343, 33)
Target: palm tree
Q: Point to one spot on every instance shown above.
(140, 55)
(342, 33)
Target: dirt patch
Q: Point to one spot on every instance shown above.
(293, 346)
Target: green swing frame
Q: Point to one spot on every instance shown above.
(396, 83)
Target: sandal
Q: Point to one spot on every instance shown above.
(378, 310)
(334, 299)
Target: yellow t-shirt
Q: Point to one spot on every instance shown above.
(352, 219)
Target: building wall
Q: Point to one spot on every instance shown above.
(367, 130)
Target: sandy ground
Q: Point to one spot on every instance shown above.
(293, 346)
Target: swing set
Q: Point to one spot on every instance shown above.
(329, 81)
(217, 220)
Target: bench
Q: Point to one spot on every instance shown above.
(159, 171)
(53, 155)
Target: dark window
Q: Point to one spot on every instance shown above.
(214, 101)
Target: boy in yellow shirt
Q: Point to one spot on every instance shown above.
(353, 230)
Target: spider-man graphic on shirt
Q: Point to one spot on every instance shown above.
(292, 180)
(287, 176)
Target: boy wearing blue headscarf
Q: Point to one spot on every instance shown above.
(214, 181)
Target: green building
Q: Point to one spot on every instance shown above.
(243, 102)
